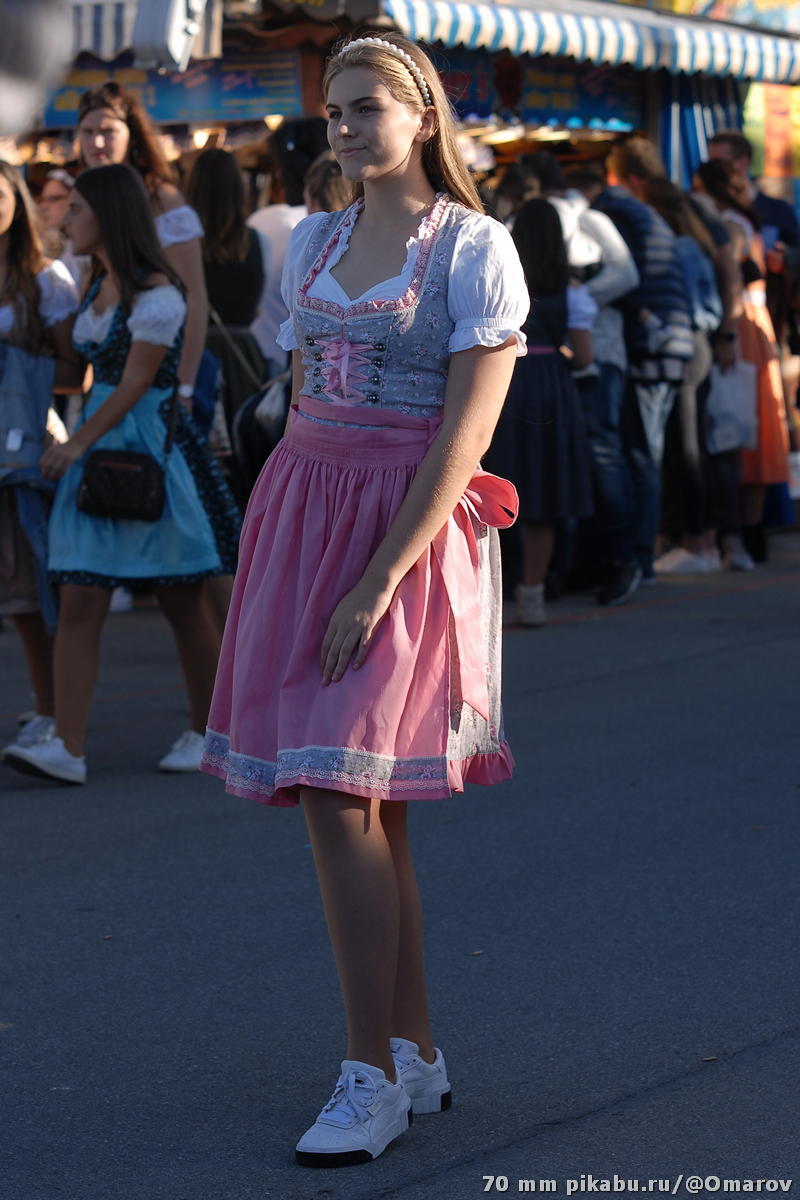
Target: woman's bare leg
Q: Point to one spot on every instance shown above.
(358, 883)
(185, 607)
(537, 550)
(410, 1017)
(82, 613)
(37, 644)
(218, 592)
(753, 497)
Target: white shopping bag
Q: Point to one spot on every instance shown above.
(732, 409)
(794, 474)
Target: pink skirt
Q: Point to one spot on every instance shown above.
(421, 716)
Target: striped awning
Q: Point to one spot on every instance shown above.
(602, 33)
(105, 28)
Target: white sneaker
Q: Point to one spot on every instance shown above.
(426, 1083)
(713, 560)
(50, 759)
(121, 600)
(530, 606)
(737, 558)
(36, 729)
(185, 754)
(680, 561)
(364, 1114)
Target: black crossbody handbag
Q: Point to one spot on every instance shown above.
(126, 485)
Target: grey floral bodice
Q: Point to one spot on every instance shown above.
(390, 353)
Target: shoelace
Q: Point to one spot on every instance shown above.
(37, 731)
(345, 1097)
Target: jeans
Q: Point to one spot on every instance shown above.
(645, 412)
(602, 397)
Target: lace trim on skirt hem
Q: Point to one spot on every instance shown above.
(356, 772)
(89, 579)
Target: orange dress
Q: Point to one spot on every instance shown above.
(768, 462)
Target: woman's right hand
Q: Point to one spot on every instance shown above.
(58, 459)
(351, 628)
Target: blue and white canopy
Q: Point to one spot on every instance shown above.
(104, 28)
(602, 33)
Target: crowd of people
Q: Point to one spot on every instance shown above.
(169, 298)
(568, 358)
(642, 428)
(648, 420)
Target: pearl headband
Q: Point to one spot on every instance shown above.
(405, 59)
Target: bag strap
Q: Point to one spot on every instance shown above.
(234, 349)
(171, 423)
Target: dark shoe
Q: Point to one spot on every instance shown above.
(621, 582)
(553, 586)
(755, 542)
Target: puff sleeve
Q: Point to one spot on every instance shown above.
(178, 225)
(487, 296)
(157, 315)
(58, 294)
(294, 270)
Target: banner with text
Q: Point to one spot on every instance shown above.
(240, 87)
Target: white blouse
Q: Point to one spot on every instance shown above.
(58, 298)
(487, 297)
(156, 317)
(180, 224)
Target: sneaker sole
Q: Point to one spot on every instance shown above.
(626, 595)
(29, 768)
(432, 1104)
(351, 1158)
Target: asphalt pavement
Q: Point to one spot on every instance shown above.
(612, 937)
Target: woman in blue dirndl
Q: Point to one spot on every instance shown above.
(130, 328)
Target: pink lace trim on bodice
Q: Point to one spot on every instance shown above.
(429, 227)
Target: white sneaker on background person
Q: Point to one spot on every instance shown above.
(736, 557)
(426, 1083)
(49, 759)
(680, 561)
(530, 606)
(185, 754)
(121, 600)
(365, 1113)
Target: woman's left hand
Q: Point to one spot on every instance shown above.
(351, 628)
(57, 460)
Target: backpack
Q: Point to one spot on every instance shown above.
(702, 295)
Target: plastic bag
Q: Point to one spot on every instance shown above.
(732, 409)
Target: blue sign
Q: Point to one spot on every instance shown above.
(559, 91)
(240, 87)
(468, 79)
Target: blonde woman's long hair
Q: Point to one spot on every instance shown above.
(441, 157)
